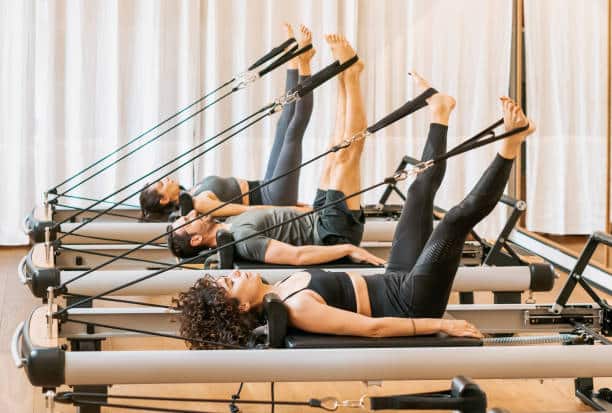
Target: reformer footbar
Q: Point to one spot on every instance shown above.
(241, 80)
(302, 89)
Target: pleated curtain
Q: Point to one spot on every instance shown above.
(78, 79)
(567, 64)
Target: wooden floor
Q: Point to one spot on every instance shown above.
(18, 396)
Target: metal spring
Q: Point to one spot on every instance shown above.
(557, 338)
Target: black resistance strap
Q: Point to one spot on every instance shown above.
(419, 168)
(268, 56)
(305, 87)
(406, 110)
(280, 61)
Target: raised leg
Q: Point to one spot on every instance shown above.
(416, 223)
(427, 287)
(284, 192)
(338, 133)
(286, 114)
(345, 173)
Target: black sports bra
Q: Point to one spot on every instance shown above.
(336, 288)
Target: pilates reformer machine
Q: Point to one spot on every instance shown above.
(279, 354)
(73, 231)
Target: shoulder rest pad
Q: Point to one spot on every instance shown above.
(299, 339)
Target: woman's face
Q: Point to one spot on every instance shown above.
(168, 189)
(243, 286)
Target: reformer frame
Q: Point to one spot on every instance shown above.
(498, 280)
(51, 367)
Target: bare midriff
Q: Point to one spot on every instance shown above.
(244, 188)
(361, 294)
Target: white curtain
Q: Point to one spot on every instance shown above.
(566, 58)
(81, 78)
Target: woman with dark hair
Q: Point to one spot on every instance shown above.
(159, 200)
(408, 299)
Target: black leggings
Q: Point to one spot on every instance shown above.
(424, 260)
(286, 152)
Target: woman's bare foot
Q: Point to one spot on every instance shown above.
(514, 118)
(293, 64)
(303, 60)
(342, 51)
(440, 104)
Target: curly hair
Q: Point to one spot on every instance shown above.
(152, 209)
(208, 314)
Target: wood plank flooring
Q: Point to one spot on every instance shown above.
(18, 396)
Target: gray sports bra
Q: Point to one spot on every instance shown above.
(224, 188)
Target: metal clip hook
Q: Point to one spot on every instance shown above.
(331, 404)
(50, 309)
(355, 138)
(50, 401)
(422, 167)
(400, 176)
(245, 78)
(285, 100)
(47, 244)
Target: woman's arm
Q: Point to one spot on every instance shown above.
(206, 201)
(308, 314)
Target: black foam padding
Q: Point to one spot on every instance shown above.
(272, 53)
(299, 339)
(292, 53)
(403, 111)
(226, 254)
(341, 263)
(277, 319)
(323, 76)
(542, 277)
(185, 203)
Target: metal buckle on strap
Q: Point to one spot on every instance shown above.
(285, 100)
(421, 167)
(245, 78)
(355, 138)
(416, 170)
